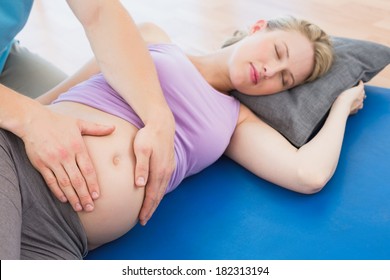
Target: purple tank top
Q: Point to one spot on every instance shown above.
(205, 118)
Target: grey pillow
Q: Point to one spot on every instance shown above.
(300, 112)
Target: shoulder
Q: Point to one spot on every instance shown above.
(153, 34)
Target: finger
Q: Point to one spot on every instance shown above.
(155, 191)
(150, 202)
(158, 181)
(89, 128)
(51, 182)
(78, 184)
(149, 212)
(142, 159)
(88, 172)
(155, 204)
(147, 206)
(149, 215)
(66, 187)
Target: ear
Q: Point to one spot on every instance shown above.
(259, 25)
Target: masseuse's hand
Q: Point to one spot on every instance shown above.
(55, 147)
(155, 162)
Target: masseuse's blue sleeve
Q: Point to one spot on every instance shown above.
(226, 212)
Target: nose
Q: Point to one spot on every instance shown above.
(272, 69)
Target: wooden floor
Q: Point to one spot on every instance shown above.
(201, 25)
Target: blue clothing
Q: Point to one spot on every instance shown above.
(205, 118)
(13, 17)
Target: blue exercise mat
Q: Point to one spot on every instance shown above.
(225, 212)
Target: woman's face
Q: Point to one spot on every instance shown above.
(267, 62)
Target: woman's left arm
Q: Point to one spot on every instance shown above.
(124, 60)
(266, 153)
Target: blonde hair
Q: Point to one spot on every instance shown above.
(322, 45)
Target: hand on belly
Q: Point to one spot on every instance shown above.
(117, 209)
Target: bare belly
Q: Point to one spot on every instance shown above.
(116, 211)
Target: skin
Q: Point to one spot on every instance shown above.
(218, 69)
(281, 60)
(254, 144)
(153, 144)
(61, 156)
(280, 162)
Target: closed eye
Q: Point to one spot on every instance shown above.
(278, 55)
(283, 81)
(287, 79)
(277, 52)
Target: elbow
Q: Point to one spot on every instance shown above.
(89, 15)
(312, 181)
(148, 27)
(90, 20)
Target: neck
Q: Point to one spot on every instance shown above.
(214, 68)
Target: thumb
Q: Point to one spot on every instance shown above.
(89, 128)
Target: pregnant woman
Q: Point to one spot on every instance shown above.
(276, 55)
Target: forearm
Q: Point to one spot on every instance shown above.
(266, 153)
(16, 110)
(123, 57)
(125, 62)
(320, 156)
(89, 69)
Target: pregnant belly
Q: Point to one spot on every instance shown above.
(116, 211)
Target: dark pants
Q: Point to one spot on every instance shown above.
(33, 223)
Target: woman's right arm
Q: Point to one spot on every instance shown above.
(84, 73)
(266, 153)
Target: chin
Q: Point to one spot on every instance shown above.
(253, 92)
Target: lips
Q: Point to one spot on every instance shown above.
(254, 75)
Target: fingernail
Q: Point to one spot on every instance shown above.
(78, 207)
(141, 181)
(95, 195)
(63, 199)
(88, 207)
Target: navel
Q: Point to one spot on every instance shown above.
(116, 159)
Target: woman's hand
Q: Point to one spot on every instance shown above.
(55, 147)
(353, 97)
(155, 162)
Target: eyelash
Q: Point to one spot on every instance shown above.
(277, 52)
(281, 74)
